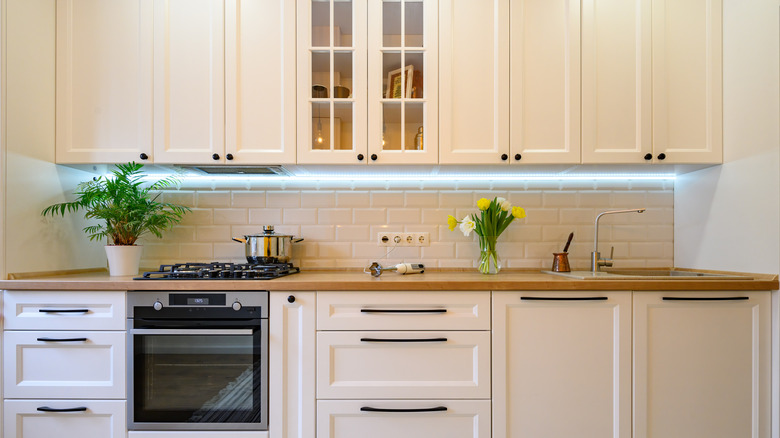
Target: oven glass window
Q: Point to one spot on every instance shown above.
(197, 378)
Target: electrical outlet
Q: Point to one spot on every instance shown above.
(403, 239)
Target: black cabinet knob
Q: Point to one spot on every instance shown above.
(360, 157)
(661, 156)
(215, 156)
(518, 157)
(229, 156)
(373, 157)
(144, 156)
(648, 157)
(504, 157)
(291, 299)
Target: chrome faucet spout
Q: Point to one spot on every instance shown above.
(596, 262)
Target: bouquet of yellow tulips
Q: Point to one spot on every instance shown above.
(493, 218)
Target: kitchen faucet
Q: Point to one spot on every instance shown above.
(596, 262)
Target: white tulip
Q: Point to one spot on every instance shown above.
(467, 225)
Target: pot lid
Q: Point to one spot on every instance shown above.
(268, 231)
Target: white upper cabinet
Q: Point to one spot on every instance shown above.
(104, 81)
(616, 82)
(260, 81)
(367, 94)
(688, 81)
(545, 81)
(189, 67)
(474, 81)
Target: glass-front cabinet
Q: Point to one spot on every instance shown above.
(366, 82)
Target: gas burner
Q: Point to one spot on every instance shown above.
(220, 271)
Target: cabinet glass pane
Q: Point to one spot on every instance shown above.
(342, 75)
(393, 85)
(391, 126)
(417, 61)
(342, 23)
(320, 23)
(413, 23)
(413, 126)
(320, 125)
(320, 74)
(391, 23)
(342, 125)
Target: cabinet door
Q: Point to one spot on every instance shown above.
(408, 419)
(88, 419)
(688, 81)
(401, 365)
(104, 81)
(64, 364)
(616, 82)
(562, 364)
(474, 82)
(402, 82)
(544, 81)
(332, 114)
(701, 364)
(260, 81)
(189, 114)
(64, 310)
(292, 339)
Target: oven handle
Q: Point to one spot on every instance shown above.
(193, 331)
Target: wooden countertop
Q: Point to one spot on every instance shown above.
(343, 280)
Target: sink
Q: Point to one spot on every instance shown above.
(647, 274)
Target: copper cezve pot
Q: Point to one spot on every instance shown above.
(267, 247)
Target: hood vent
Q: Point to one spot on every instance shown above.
(239, 170)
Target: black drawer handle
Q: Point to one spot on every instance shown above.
(564, 298)
(48, 409)
(433, 409)
(63, 310)
(403, 310)
(61, 339)
(403, 340)
(705, 298)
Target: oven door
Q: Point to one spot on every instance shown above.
(198, 378)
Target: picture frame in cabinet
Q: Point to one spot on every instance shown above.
(395, 79)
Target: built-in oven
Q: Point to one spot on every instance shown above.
(197, 360)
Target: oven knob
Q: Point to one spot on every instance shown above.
(157, 305)
(236, 306)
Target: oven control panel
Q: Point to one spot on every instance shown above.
(198, 301)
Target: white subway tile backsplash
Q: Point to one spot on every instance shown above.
(340, 224)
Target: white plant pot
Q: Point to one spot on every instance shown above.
(123, 259)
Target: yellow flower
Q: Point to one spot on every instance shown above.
(452, 222)
(518, 212)
(483, 204)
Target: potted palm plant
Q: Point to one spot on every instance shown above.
(127, 209)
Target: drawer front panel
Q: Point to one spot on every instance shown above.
(405, 365)
(62, 364)
(403, 311)
(64, 310)
(100, 419)
(391, 419)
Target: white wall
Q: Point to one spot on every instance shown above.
(33, 243)
(728, 217)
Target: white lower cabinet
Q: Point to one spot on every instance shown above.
(702, 364)
(403, 418)
(64, 419)
(562, 364)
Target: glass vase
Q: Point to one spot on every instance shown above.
(489, 262)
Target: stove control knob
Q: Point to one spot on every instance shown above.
(236, 306)
(157, 305)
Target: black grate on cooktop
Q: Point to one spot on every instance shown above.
(220, 271)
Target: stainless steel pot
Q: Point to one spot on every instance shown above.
(267, 247)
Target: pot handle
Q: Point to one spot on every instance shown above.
(240, 240)
(297, 240)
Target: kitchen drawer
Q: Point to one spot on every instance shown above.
(71, 368)
(445, 418)
(100, 419)
(403, 365)
(64, 310)
(410, 310)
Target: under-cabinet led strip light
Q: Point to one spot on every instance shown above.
(414, 178)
